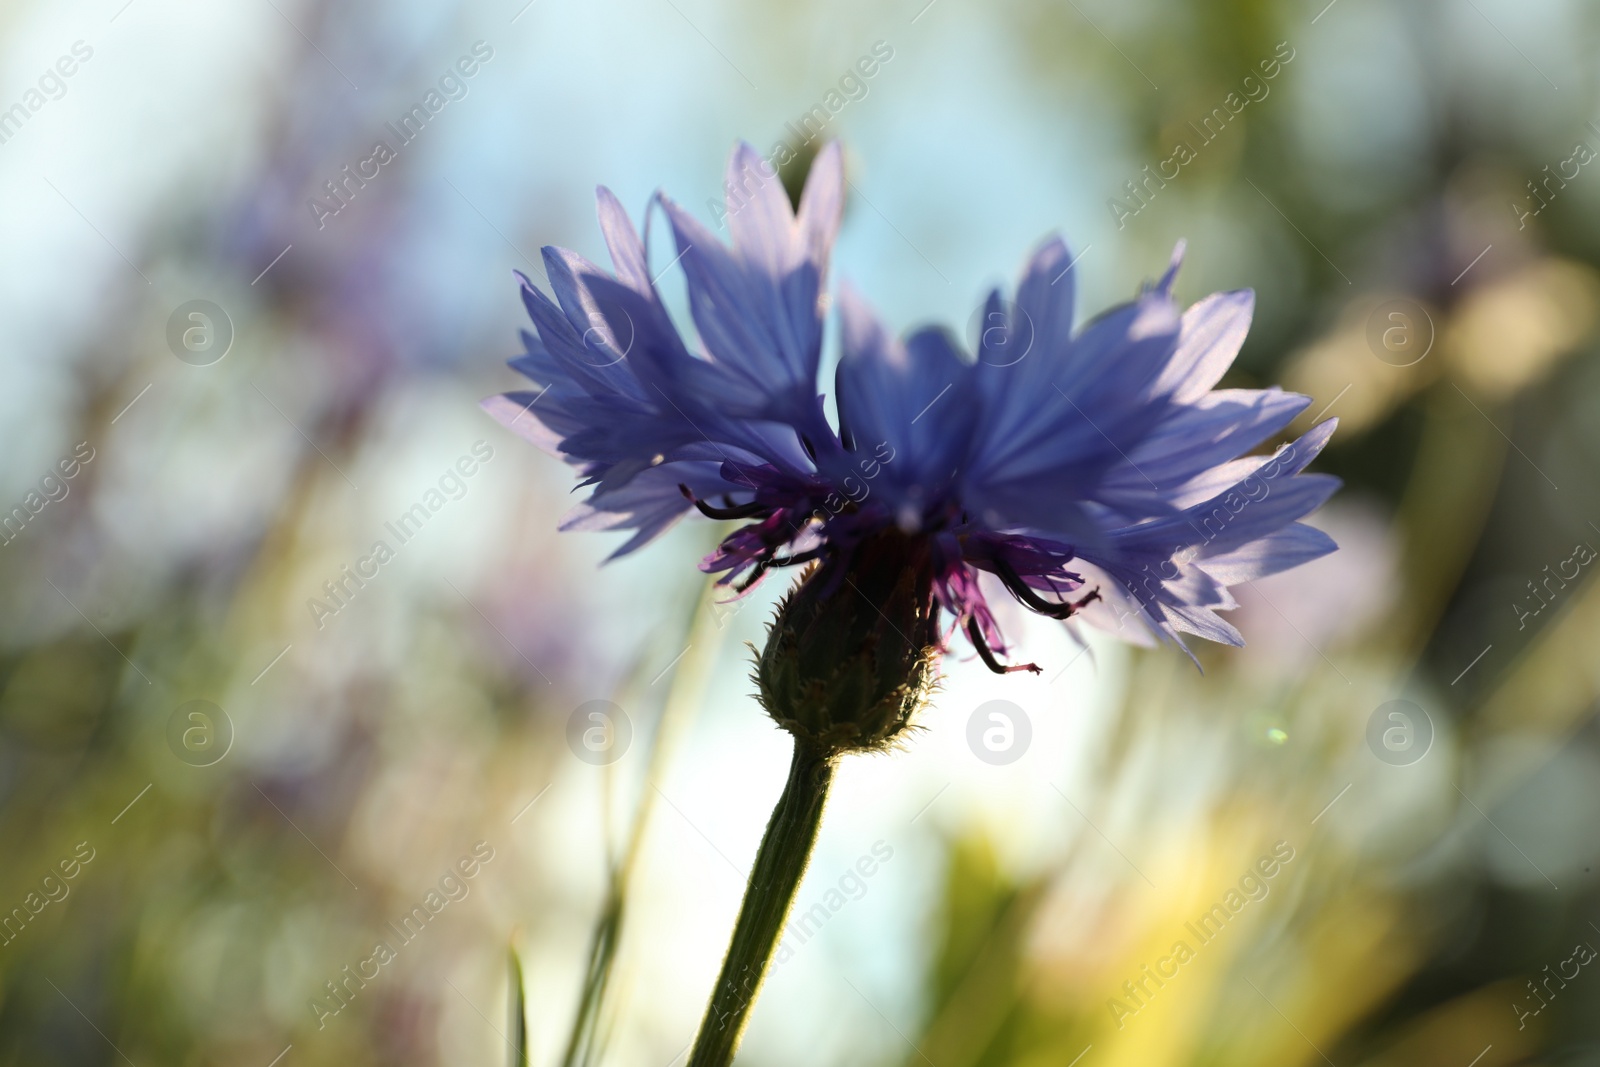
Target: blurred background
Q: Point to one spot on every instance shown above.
(240, 748)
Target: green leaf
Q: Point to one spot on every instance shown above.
(519, 1014)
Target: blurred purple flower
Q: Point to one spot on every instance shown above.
(1101, 461)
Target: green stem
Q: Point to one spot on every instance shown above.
(780, 864)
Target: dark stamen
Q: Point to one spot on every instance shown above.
(1029, 596)
(975, 632)
(811, 450)
(801, 557)
(742, 511)
(755, 574)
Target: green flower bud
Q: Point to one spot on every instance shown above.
(854, 650)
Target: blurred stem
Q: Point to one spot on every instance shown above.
(519, 1009)
(597, 976)
(780, 864)
(684, 695)
(1446, 502)
(985, 996)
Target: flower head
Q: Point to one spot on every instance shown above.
(1094, 471)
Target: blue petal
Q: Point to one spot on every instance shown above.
(1270, 497)
(1280, 550)
(1192, 440)
(627, 251)
(649, 504)
(1178, 568)
(758, 306)
(1043, 446)
(1210, 336)
(913, 397)
(1045, 296)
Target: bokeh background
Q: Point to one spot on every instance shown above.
(182, 881)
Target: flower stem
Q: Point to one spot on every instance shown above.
(780, 864)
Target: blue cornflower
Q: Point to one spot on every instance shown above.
(1094, 471)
